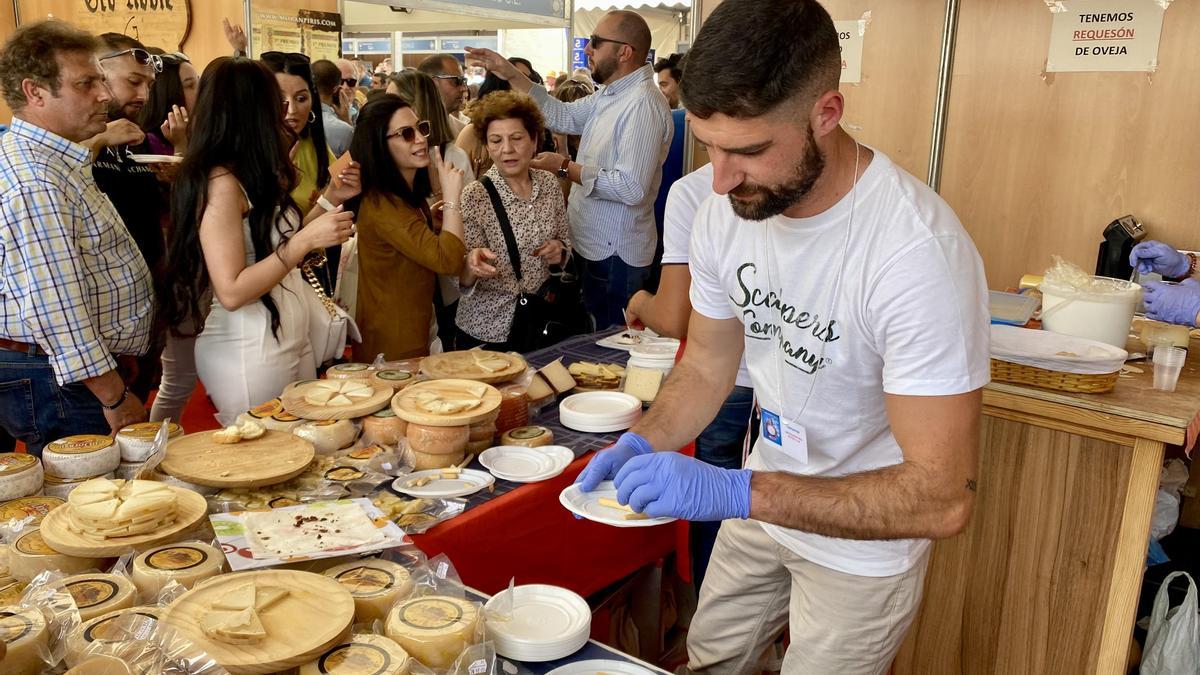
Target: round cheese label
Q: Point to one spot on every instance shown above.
(431, 614)
(366, 581)
(386, 412)
(356, 658)
(105, 630)
(147, 431)
(33, 544)
(350, 368)
(25, 507)
(267, 409)
(15, 626)
(92, 592)
(365, 452)
(396, 375)
(343, 474)
(16, 462)
(11, 594)
(176, 558)
(527, 433)
(80, 445)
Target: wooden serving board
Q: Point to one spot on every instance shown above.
(191, 510)
(317, 613)
(461, 365)
(404, 403)
(273, 458)
(294, 403)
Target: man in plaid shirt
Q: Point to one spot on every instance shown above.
(75, 292)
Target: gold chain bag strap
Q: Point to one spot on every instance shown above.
(328, 331)
(317, 259)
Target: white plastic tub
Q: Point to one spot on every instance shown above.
(1104, 313)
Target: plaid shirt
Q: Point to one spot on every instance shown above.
(71, 278)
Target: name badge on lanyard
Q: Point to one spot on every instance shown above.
(790, 436)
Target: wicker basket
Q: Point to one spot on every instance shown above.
(1016, 373)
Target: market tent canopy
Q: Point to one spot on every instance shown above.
(607, 5)
(666, 31)
(378, 16)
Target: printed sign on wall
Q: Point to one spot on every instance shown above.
(154, 23)
(1105, 35)
(850, 35)
(316, 34)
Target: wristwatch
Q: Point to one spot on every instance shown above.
(563, 171)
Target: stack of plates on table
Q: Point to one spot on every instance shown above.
(658, 355)
(526, 465)
(544, 623)
(599, 411)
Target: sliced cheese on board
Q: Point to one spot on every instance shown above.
(375, 584)
(53, 486)
(349, 371)
(328, 436)
(103, 633)
(114, 508)
(97, 593)
(27, 638)
(20, 475)
(437, 440)
(186, 563)
(383, 427)
(361, 654)
(136, 441)
(30, 555)
(530, 437)
(271, 415)
(81, 456)
(235, 627)
(29, 507)
(433, 629)
(559, 377)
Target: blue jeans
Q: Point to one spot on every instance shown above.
(607, 287)
(720, 444)
(35, 410)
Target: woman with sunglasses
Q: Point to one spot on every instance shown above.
(164, 117)
(400, 249)
(422, 94)
(237, 243)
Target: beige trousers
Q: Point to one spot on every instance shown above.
(840, 623)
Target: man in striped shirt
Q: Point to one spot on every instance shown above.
(625, 130)
(74, 289)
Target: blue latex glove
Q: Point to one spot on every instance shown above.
(668, 484)
(609, 461)
(1173, 303)
(1155, 256)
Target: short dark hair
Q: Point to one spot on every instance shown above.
(326, 76)
(534, 75)
(670, 63)
(117, 42)
(32, 52)
(435, 64)
(508, 105)
(798, 55)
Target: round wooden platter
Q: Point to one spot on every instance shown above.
(294, 403)
(461, 365)
(404, 403)
(273, 458)
(190, 509)
(316, 614)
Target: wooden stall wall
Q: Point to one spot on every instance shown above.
(1036, 166)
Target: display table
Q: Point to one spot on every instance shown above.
(1046, 577)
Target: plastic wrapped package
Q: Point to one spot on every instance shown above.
(437, 621)
(147, 647)
(310, 486)
(361, 653)
(328, 436)
(477, 659)
(35, 631)
(415, 516)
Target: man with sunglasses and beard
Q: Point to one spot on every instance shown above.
(625, 131)
(860, 304)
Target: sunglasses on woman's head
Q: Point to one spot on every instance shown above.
(175, 58)
(284, 60)
(141, 56)
(409, 134)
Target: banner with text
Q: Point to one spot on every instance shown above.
(1105, 35)
(315, 34)
(161, 23)
(850, 35)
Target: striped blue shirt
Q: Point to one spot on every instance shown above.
(625, 130)
(71, 278)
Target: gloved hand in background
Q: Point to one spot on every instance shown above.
(609, 461)
(668, 484)
(1173, 303)
(1155, 256)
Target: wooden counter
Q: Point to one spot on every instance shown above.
(1046, 577)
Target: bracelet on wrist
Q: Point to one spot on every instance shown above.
(324, 203)
(119, 403)
(449, 206)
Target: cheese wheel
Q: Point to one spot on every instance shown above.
(437, 440)
(11, 592)
(349, 371)
(477, 447)
(530, 437)
(185, 563)
(27, 639)
(136, 441)
(433, 629)
(101, 664)
(62, 487)
(175, 482)
(328, 436)
(396, 379)
(271, 415)
(20, 475)
(30, 555)
(29, 507)
(375, 584)
(383, 427)
(5, 576)
(424, 461)
(97, 593)
(361, 654)
(482, 431)
(105, 633)
(81, 456)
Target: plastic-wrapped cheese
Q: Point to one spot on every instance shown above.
(271, 415)
(29, 507)
(97, 593)
(361, 654)
(375, 584)
(11, 592)
(24, 633)
(61, 487)
(101, 664)
(20, 475)
(433, 629)
(30, 555)
(530, 437)
(5, 576)
(185, 563)
(349, 371)
(81, 456)
(110, 629)
(396, 379)
(128, 470)
(383, 427)
(136, 441)
(328, 436)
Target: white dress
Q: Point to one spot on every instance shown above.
(239, 361)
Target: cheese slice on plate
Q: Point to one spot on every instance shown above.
(242, 627)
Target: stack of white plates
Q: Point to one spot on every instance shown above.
(601, 667)
(599, 411)
(654, 355)
(543, 623)
(526, 465)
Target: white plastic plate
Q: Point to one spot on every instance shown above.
(526, 465)
(599, 407)
(546, 623)
(601, 667)
(587, 505)
(469, 481)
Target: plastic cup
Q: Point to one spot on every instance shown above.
(1168, 362)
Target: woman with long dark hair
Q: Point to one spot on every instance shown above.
(237, 242)
(400, 249)
(422, 94)
(302, 116)
(163, 118)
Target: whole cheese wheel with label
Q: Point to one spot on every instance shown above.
(97, 593)
(361, 654)
(81, 456)
(30, 555)
(20, 475)
(186, 563)
(433, 629)
(136, 441)
(271, 415)
(438, 440)
(24, 633)
(29, 507)
(375, 584)
(530, 437)
(103, 634)
(328, 436)
(396, 379)
(383, 427)
(349, 371)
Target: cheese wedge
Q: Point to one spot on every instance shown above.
(241, 627)
(237, 599)
(266, 597)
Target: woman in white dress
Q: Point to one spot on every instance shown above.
(238, 241)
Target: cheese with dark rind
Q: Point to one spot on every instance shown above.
(186, 563)
(375, 584)
(530, 437)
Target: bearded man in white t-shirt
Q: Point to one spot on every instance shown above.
(860, 304)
